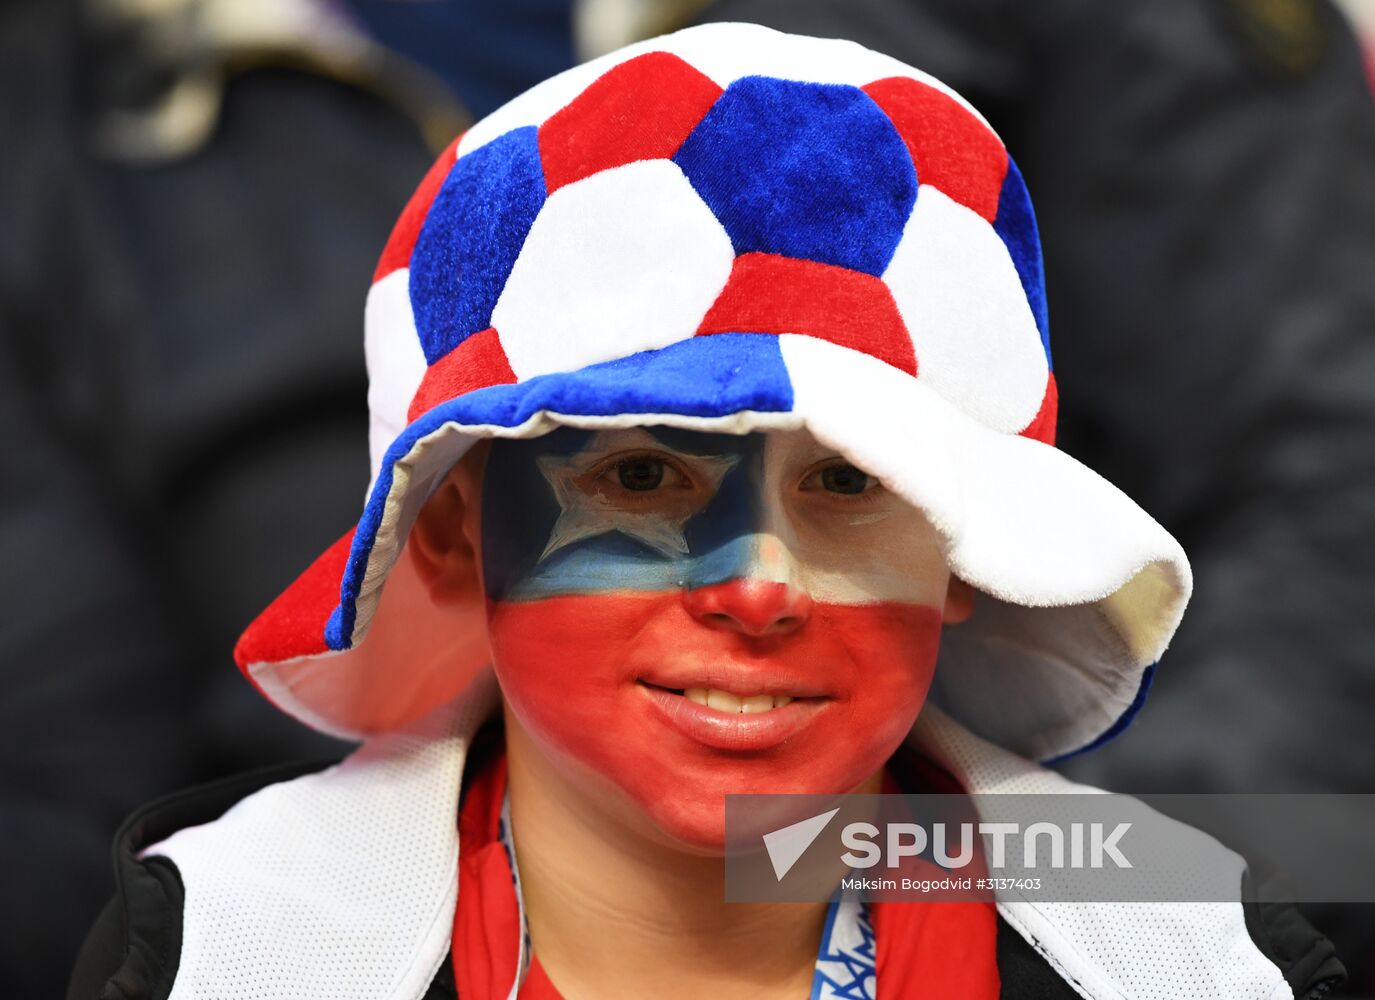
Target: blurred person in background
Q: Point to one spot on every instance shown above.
(194, 195)
(1362, 15)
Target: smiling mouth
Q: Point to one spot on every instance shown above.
(727, 703)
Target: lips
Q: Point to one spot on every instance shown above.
(726, 704)
(738, 680)
(602, 679)
(727, 728)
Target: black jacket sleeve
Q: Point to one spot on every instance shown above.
(133, 948)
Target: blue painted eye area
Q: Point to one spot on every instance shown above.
(650, 509)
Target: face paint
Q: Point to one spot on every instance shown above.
(690, 615)
(586, 508)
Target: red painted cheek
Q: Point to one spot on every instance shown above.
(562, 664)
(568, 667)
(893, 648)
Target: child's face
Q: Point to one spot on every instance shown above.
(687, 615)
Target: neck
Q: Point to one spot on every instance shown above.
(614, 913)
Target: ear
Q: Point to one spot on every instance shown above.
(443, 544)
(959, 602)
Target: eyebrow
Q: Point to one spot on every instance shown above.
(676, 441)
(687, 444)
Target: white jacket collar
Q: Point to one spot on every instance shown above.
(341, 885)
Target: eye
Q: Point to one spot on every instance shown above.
(844, 479)
(641, 474)
(647, 474)
(842, 482)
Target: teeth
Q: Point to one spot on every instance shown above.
(724, 701)
(756, 703)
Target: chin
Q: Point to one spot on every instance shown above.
(690, 815)
(694, 826)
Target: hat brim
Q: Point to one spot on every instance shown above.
(1080, 589)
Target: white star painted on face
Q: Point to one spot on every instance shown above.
(587, 513)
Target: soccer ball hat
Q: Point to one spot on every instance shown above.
(733, 229)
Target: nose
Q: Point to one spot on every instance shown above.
(751, 606)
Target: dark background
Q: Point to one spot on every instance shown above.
(191, 205)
